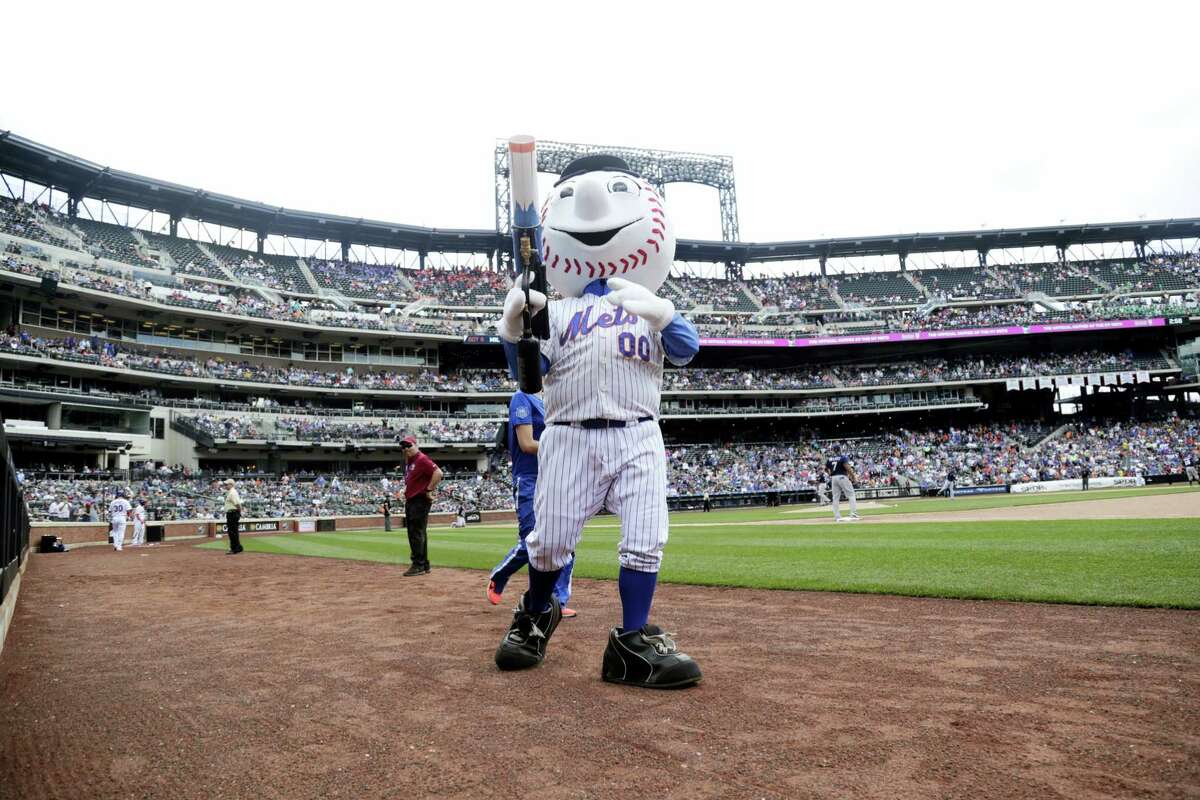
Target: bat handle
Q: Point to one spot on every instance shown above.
(529, 365)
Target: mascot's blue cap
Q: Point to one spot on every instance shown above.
(600, 162)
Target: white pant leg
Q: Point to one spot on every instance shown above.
(118, 533)
(637, 459)
(139, 533)
(836, 502)
(570, 490)
(952, 491)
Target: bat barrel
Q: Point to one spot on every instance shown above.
(522, 180)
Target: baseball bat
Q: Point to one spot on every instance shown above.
(527, 245)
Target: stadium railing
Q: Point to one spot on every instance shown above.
(14, 520)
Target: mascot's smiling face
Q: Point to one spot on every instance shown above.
(602, 223)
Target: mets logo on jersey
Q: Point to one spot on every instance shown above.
(581, 323)
(522, 411)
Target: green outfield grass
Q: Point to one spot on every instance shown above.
(1143, 562)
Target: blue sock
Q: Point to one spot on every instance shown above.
(637, 593)
(541, 587)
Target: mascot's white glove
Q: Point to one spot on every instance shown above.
(637, 299)
(509, 327)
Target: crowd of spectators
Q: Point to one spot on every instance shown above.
(805, 298)
(959, 317)
(19, 259)
(225, 427)
(877, 289)
(462, 287)
(977, 454)
(706, 380)
(964, 283)
(793, 292)
(369, 281)
(181, 496)
(125, 356)
(689, 291)
(20, 219)
(981, 454)
(928, 370)
(962, 368)
(324, 430)
(461, 431)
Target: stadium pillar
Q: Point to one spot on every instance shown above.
(421, 255)
(823, 272)
(1139, 248)
(73, 204)
(904, 262)
(983, 254)
(174, 225)
(262, 237)
(345, 251)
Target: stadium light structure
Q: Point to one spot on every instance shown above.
(660, 167)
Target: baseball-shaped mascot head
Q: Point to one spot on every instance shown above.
(603, 221)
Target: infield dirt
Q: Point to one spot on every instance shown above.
(175, 672)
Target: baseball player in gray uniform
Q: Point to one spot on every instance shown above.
(842, 481)
(607, 248)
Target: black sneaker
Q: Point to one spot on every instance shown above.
(648, 657)
(416, 569)
(524, 645)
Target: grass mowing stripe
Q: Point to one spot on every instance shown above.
(1120, 562)
(921, 505)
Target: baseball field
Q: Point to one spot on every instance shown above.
(911, 673)
(1077, 558)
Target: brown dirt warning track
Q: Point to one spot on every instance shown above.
(175, 672)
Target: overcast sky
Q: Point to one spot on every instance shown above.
(854, 119)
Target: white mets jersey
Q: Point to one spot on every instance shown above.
(117, 509)
(605, 363)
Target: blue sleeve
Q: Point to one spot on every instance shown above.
(680, 340)
(510, 355)
(520, 410)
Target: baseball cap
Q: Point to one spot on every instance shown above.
(408, 440)
(595, 162)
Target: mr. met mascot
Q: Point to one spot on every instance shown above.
(607, 245)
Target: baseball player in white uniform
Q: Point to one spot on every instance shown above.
(118, 512)
(139, 525)
(607, 247)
